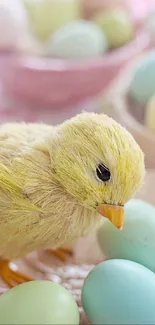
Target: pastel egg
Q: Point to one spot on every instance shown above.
(136, 241)
(142, 86)
(46, 16)
(78, 39)
(116, 25)
(119, 292)
(38, 302)
(10, 23)
(150, 114)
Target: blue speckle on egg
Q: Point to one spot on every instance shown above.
(142, 86)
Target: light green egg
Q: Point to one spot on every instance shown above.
(77, 40)
(136, 241)
(38, 302)
(142, 86)
(119, 292)
(116, 25)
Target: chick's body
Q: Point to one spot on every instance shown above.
(35, 212)
(49, 191)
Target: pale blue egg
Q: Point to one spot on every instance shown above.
(142, 86)
(77, 40)
(136, 241)
(119, 292)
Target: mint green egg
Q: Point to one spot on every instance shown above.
(136, 241)
(38, 302)
(142, 86)
(79, 39)
(119, 292)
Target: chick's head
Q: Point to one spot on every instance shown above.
(97, 161)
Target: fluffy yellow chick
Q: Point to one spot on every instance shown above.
(54, 182)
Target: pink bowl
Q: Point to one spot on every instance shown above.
(58, 83)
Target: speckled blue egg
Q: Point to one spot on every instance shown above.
(119, 292)
(136, 241)
(142, 86)
(77, 40)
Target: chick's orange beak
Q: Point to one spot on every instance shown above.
(114, 213)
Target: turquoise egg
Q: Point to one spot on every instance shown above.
(142, 86)
(136, 241)
(38, 302)
(119, 292)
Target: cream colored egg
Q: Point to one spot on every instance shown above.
(150, 114)
(46, 16)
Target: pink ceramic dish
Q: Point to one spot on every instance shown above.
(58, 83)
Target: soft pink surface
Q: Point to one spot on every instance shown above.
(140, 8)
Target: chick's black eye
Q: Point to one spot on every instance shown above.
(103, 173)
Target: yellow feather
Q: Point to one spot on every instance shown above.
(49, 191)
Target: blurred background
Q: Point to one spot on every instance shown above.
(60, 57)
